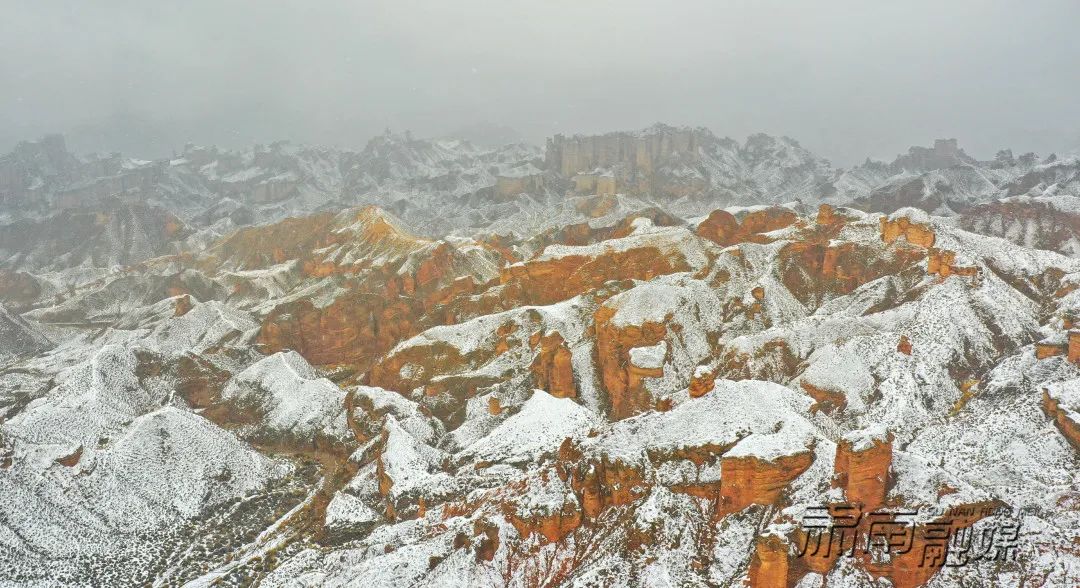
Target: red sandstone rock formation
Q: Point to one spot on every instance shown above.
(814, 268)
(1046, 350)
(547, 281)
(904, 346)
(827, 215)
(914, 233)
(752, 480)
(825, 400)
(941, 262)
(72, 459)
(1069, 428)
(770, 566)
(183, 305)
(912, 569)
(723, 228)
(552, 527)
(702, 383)
(1074, 346)
(552, 369)
(863, 473)
(623, 381)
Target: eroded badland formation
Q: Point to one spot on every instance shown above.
(640, 358)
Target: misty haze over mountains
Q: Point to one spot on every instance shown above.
(380, 293)
(848, 79)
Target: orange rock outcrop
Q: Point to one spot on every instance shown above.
(815, 268)
(552, 369)
(183, 305)
(702, 383)
(598, 483)
(72, 459)
(914, 568)
(1068, 427)
(941, 262)
(825, 400)
(1074, 346)
(1046, 350)
(752, 480)
(770, 564)
(904, 346)
(827, 215)
(622, 381)
(864, 473)
(552, 527)
(913, 232)
(548, 281)
(723, 228)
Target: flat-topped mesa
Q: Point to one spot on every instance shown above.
(637, 151)
(862, 465)
(913, 232)
(660, 161)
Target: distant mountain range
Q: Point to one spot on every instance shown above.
(641, 359)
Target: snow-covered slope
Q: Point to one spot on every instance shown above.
(622, 362)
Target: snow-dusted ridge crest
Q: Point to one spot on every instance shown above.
(631, 359)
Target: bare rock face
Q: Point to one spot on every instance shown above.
(814, 269)
(354, 329)
(702, 383)
(752, 480)
(825, 400)
(1063, 416)
(862, 470)
(769, 567)
(545, 281)
(552, 369)
(942, 262)
(602, 485)
(909, 570)
(904, 345)
(723, 228)
(637, 160)
(622, 380)
(913, 232)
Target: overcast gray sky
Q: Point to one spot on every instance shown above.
(847, 78)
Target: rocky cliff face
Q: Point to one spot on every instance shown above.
(630, 390)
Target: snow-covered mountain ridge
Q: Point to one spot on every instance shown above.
(296, 366)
